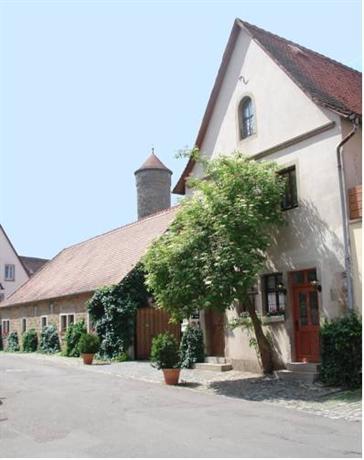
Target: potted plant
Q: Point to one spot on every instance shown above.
(88, 345)
(165, 356)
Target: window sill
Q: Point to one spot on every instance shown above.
(273, 319)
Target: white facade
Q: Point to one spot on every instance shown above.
(313, 237)
(12, 272)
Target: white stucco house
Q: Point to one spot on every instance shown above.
(276, 100)
(12, 270)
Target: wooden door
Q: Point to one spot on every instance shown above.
(215, 334)
(306, 318)
(151, 322)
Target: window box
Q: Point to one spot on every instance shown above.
(271, 319)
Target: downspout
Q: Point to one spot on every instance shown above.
(345, 217)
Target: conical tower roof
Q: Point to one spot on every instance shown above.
(153, 162)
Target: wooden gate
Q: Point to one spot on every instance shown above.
(151, 322)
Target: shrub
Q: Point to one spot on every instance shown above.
(122, 357)
(341, 351)
(191, 347)
(89, 344)
(72, 338)
(1, 340)
(165, 353)
(13, 342)
(49, 340)
(30, 341)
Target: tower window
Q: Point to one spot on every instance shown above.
(246, 118)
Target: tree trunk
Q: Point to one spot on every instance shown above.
(265, 348)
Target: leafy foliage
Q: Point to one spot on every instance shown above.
(89, 343)
(341, 352)
(13, 342)
(30, 341)
(121, 358)
(112, 310)
(72, 338)
(213, 251)
(165, 353)
(192, 347)
(49, 340)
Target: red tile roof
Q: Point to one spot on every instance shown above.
(32, 264)
(327, 82)
(103, 260)
(153, 162)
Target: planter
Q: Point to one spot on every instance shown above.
(87, 358)
(171, 376)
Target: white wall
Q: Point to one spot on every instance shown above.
(313, 234)
(8, 256)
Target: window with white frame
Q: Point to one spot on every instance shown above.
(66, 319)
(9, 274)
(23, 325)
(43, 321)
(5, 327)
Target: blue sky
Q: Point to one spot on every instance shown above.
(88, 87)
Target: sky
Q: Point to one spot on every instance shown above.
(87, 88)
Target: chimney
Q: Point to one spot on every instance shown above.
(153, 182)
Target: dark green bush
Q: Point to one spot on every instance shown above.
(191, 347)
(165, 352)
(341, 352)
(30, 341)
(72, 338)
(49, 340)
(89, 344)
(13, 342)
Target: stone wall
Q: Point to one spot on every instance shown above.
(51, 308)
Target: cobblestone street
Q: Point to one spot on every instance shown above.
(315, 399)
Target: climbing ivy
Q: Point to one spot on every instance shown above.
(112, 310)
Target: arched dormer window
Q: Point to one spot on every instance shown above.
(246, 117)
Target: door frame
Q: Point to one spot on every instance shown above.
(292, 288)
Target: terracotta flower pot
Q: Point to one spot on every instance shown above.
(171, 376)
(87, 358)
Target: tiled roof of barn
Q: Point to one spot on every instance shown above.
(103, 260)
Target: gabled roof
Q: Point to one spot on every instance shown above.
(328, 83)
(13, 249)
(32, 264)
(103, 260)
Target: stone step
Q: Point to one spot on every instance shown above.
(303, 367)
(215, 360)
(305, 377)
(214, 367)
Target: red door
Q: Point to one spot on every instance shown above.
(306, 316)
(214, 322)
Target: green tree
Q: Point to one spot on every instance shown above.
(212, 253)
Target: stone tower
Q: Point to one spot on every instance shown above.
(153, 182)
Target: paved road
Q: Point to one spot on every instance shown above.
(52, 410)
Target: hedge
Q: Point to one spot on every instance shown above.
(341, 352)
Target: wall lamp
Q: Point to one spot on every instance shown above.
(316, 285)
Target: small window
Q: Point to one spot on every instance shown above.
(289, 199)
(9, 272)
(5, 327)
(23, 325)
(43, 321)
(65, 321)
(246, 118)
(274, 297)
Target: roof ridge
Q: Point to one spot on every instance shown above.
(143, 219)
(290, 42)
